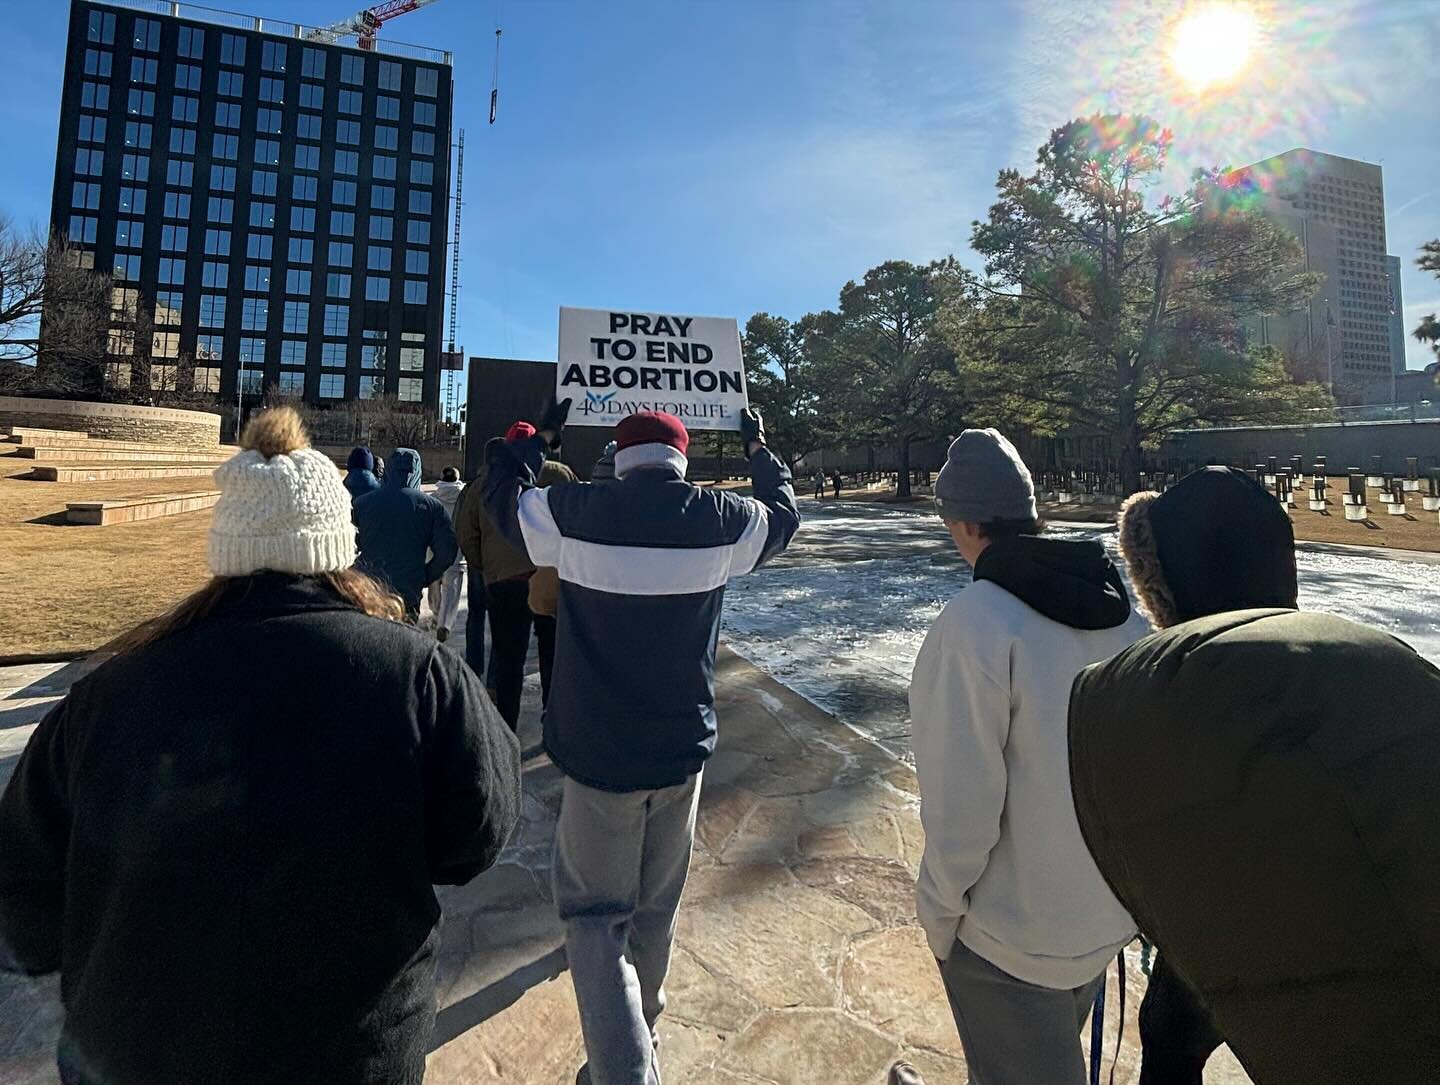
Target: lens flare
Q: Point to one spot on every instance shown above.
(1213, 44)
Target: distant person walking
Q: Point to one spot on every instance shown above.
(1014, 909)
(224, 838)
(467, 534)
(405, 535)
(444, 594)
(360, 472)
(819, 481)
(643, 563)
(837, 479)
(1257, 784)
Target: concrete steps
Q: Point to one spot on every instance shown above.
(130, 510)
(32, 435)
(85, 454)
(110, 472)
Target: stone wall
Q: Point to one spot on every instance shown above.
(114, 421)
(1344, 445)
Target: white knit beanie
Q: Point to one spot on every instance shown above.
(282, 505)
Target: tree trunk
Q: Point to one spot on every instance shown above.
(1128, 439)
(902, 481)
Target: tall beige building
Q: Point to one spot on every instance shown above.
(1336, 206)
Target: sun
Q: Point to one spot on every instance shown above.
(1212, 44)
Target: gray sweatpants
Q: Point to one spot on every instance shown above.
(1013, 1032)
(620, 865)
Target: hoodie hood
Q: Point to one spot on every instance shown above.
(448, 494)
(1073, 583)
(402, 469)
(360, 459)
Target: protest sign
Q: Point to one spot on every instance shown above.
(616, 362)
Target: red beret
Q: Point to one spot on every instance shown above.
(652, 427)
(520, 431)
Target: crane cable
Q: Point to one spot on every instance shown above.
(495, 76)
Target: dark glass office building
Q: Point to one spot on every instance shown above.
(273, 206)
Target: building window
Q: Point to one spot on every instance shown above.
(349, 101)
(378, 258)
(272, 90)
(192, 42)
(252, 380)
(343, 193)
(382, 228)
(387, 108)
(412, 352)
(259, 246)
(168, 306)
(372, 385)
(117, 374)
(177, 205)
(232, 85)
(141, 103)
(92, 129)
(340, 253)
(297, 281)
(382, 167)
(174, 238)
(347, 132)
(389, 75)
(132, 201)
(386, 138)
(352, 70)
(257, 277)
(182, 141)
(207, 377)
(337, 285)
(252, 351)
(172, 270)
(292, 383)
(222, 178)
(307, 157)
(305, 188)
(377, 288)
(262, 214)
(416, 292)
(312, 96)
(411, 389)
(302, 250)
(425, 114)
(254, 314)
(215, 276)
(120, 341)
(212, 310)
(217, 242)
(101, 29)
(82, 228)
(263, 183)
(134, 167)
(417, 262)
(420, 203)
(232, 49)
(164, 345)
(144, 70)
(124, 304)
(372, 349)
(227, 115)
(187, 77)
(268, 121)
(312, 63)
(332, 385)
(333, 354)
(272, 56)
(297, 317)
(417, 232)
(292, 352)
(427, 82)
(137, 135)
(422, 173)
(221, 211)
(179, 173)
(98, 61)
(89, 163)
(347, 162)
(267, 151)
(147, 36)
(94, 96)
(423, 143)
(185, 109)
(382, 197)
(342, 223)
(85, 196)
(226, 148)
(302, 220)
(337, 320)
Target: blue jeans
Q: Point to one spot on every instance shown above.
(475, 623)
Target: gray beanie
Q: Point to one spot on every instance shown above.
(984, 479)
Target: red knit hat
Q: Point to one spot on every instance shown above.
(652, 427)
(520, 431)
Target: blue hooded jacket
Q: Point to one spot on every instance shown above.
(360, 472)
(405, 535)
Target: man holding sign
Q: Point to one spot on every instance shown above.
(643, 562)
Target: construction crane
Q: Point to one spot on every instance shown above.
(365, 25)
(454, 359)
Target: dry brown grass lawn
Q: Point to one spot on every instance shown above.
(68, 588)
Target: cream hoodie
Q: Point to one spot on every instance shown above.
(1005, 868)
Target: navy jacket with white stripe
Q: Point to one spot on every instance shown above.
(643, 564)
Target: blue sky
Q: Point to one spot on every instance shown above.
(727, 156)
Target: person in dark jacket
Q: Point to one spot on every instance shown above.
(225, 837)
(643, 562)
(406, 538)
(1257, 786)
(360, 472)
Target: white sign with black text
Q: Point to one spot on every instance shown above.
(616, 362)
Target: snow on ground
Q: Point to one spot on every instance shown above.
(842, 627)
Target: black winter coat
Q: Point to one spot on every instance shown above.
(405, 535)
(225, 843)
(1260, 790)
